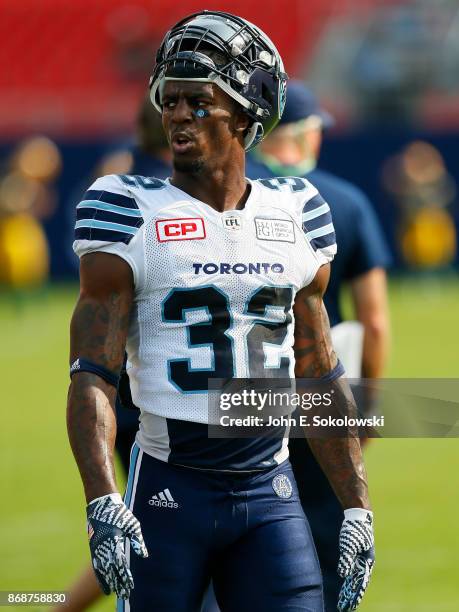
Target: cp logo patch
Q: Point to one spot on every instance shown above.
(282, 486)
(180, 229)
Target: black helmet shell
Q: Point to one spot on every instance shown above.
(229, 51)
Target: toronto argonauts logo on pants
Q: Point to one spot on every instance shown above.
(245, 532)
(282, 486)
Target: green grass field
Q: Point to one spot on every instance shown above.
(414, 483)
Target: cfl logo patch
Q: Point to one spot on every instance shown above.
(232, 222)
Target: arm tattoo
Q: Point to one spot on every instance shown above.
(314, 353)
(339, 457)
(92, 429)
(99, 329)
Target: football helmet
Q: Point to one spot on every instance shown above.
(220, 48)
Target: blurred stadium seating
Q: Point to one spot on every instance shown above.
(79, 67)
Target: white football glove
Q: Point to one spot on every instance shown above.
(357, 556)
(110, 522)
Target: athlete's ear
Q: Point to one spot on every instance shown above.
(241, 122)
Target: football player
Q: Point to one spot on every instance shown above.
(201, 276)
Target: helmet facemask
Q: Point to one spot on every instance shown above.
(213, 47)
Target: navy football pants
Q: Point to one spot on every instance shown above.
(235, 530)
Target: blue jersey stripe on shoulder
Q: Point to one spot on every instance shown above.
(314, 202)
(321, 231)
(318, 222)
(316, 212)
(87, 233)
(314, 207)
(110, 198)
(323, 241)
(106, 215)
(98, 205)
(94, 223)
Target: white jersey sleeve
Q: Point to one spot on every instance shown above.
(318, 225)
(110, 220)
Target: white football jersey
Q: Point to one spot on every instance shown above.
(213, 291)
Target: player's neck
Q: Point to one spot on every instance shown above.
(222, 189)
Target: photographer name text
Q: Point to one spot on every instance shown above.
(303, 420)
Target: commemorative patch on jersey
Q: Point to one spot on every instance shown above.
(277, 230)
(191, 228)
(282, 486)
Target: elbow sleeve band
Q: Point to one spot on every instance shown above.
(84, 365)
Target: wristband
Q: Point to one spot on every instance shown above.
(84, 365)
(337, 371)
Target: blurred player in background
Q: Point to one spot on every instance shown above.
(426, 194)
(293, 149)
(27, 199)
(246, 528)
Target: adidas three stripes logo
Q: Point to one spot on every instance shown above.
(163, 499)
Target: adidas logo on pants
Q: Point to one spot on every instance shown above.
(164, 499)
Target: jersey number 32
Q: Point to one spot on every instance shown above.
(213, 333)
